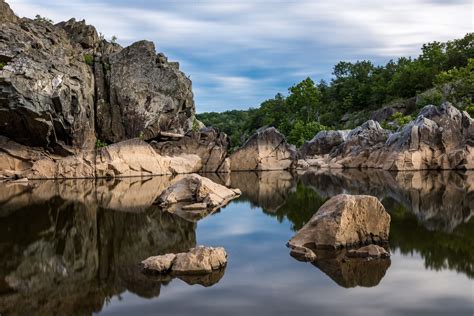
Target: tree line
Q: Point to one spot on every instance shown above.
(355, 90)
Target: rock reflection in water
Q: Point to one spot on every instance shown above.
(268, 190)
(65, 249)
(350, 272)
(431, 210)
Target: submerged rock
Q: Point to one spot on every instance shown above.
(194, 190)
(198, 260)
(344, 220)
(370, 251)
(267, 149)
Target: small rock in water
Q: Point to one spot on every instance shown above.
(198, 260)
(370, 251)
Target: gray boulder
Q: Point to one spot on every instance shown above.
(142, 95)
(322, 143)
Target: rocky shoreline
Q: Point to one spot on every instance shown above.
(73, 105)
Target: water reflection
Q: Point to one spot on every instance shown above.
(68, 247)
(351, 272)
(65, 253)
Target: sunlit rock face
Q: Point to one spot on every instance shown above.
(440, 200)
(267, 149)
(209, 144)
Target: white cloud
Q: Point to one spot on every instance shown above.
(254, 49)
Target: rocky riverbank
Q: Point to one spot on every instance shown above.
(73, 105)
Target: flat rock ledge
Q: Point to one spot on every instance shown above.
(343, 221)
(197, 261)
(194, 193)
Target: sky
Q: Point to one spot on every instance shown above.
(242, 52)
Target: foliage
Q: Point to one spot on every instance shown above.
(397, 120)
(434, 97)
(302, 131)
(195, 125)
(459, 83)
(357, 89)
(2, 64)
(42, 19)
(114, 39)
(100, 144)
(89, 59)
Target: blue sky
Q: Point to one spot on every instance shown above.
(239, 53)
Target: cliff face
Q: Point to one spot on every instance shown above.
(62, 86)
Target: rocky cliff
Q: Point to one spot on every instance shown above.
(62, 86)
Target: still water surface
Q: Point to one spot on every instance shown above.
(72, 248)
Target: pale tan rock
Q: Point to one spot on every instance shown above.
(195, 206)
(267, 149)
(345, 220)
(158, 264)
(200, 260)
(194, 188)
(370, 251)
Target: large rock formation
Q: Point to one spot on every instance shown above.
(144, 95)
(209, 144)
(46, 88)
(344, 220)
(439, 138)
(62, 85)
(359, 145)
(132, 157)
(267, 149)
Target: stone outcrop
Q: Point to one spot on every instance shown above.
(62, 85)
(194, 193)
(267, 149)
(361, 142)
(144, 94)
(344, 220)
(322, 143)
(46, 88)
(198, 260)
(132, 157)
(439, 138)
(137, 158)
(209, 144)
